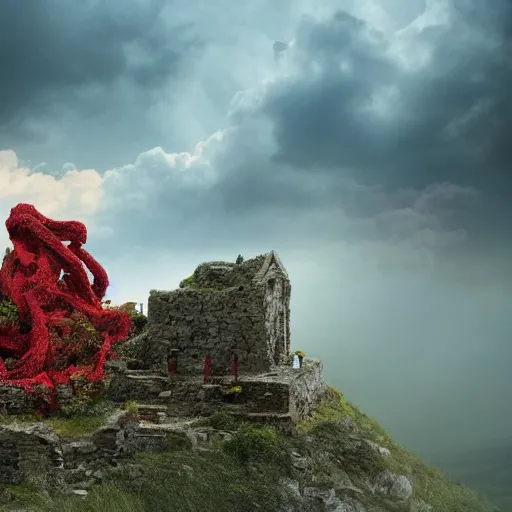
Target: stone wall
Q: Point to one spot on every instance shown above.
(223, 274)
(14, 400)
(222, 310)
(217, 323)
(29, 451)
(307, 388)
(35, 451)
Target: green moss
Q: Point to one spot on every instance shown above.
(86, 423)
(8, 311)
(76, 426)
(8, 419)
(29, 495)
(131, 406)
(191, 283)
(220, 420)
(188, 281)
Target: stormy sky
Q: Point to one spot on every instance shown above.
(374, 156)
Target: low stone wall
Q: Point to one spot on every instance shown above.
(285, 391)
(140, 388)
(29, 450)
(35, 451)
(14, 400)
(264, 396)
(307, 387)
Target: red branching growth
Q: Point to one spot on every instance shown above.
(29, 277)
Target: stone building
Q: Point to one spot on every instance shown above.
(225, 315)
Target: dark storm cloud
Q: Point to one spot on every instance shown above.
(84, 59)
(309, 145)
(448, 122)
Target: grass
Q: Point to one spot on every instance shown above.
(244, 471)
(66, 427)
(92, 418)
(180, 481)
(429, 484)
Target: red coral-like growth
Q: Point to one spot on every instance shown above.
(30, 278)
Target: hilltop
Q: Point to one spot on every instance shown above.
(203, 407)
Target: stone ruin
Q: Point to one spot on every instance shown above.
(220, 342)
(227, 325)
(227, 311)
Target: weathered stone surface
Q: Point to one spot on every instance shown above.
(230, 310)
(80, 492)
(380, 449)
(116, 365)
(299, 462)
(140, 387)
(306, 388)
(13, 400)
(135, 351)
(26, 449)
(395, 486)
(327, 500)
(285, 392)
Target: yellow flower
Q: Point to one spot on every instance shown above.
(232, 390)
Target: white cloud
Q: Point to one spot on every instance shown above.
(76, 195)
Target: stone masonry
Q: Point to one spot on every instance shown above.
(225, 311)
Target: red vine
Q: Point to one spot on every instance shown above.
(29, 277)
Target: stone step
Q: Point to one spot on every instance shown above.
(152, 412)
(147, 377)
(279, 420)
(173, 425)
(152, 407)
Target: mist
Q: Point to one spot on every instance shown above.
(373, 156)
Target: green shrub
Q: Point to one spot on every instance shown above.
(188, 281)
(8, 311)
(131, 406)
(223, 421)
(139, 322)
(254, 444)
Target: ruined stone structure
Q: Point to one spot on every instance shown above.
(234, 315)
(231, 313)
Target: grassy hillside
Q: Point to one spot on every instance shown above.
(246, 471)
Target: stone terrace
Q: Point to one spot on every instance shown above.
(285, 395)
